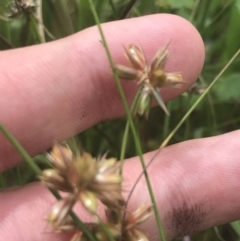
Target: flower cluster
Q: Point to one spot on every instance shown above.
(87, 180)
(130, 229)
(119, 229)
(152, 77)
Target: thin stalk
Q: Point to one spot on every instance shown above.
(34, 26)
(198, 100)
(64, 18)
(187, 130)
(82, 226)
(126, 131)
(194, 10)
(38, 171)
(136, 182)
(203, 13)
(166, 121)
(19, 176)
(130, 120)
(218, 234)
(9, 37)
(105, 230)
(40, 26)
(229, 122)
(124, 145)
(20, 149)
(210, 101)
(2, 181)
(113, 9)
(127, 9)
(220, 13)
(45, 29)
(105, 136)
(6, 42)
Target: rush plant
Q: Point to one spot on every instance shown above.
(75, 176)
(151, 77)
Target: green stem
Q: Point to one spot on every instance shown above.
(210, 101)
(194, 10)
(105, 229)
(6, 42)
(34, 26)
(82, 226)
(203, 13)
(126, 131)
(166, 121)
(64, 18)
(113, 9)
(127, 9)
(20, 149)
(19, 177)
(198, 101)
(39, 20)
(130, 120)
(2, 181)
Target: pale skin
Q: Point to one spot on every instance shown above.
(53, 91)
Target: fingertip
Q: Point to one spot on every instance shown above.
(66, 86)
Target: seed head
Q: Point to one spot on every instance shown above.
(135, 56)
(130, 231)
(88, 180)
(60, 211)
(138, 216)
(52, 178)
(61, 157)
(84, 177)
(152, 77)
(89, 200)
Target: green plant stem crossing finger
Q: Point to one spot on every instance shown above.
(198, 100)
(129, 116)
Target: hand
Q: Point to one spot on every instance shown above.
(53, 91)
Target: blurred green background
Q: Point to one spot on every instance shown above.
(25, 22)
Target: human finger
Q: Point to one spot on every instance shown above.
(195, 183)
(52, 91)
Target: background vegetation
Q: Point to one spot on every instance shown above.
(219, 25)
